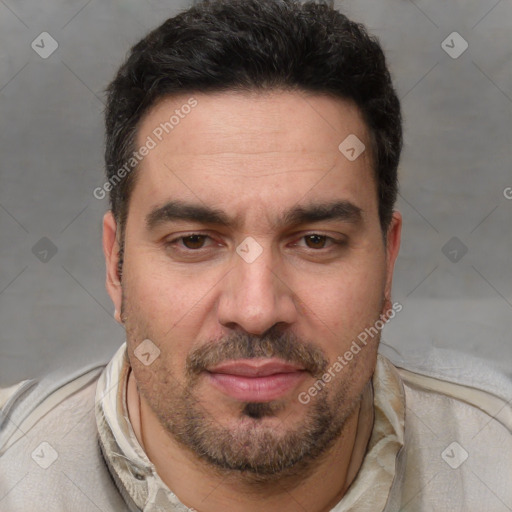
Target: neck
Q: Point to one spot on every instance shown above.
(205, 489)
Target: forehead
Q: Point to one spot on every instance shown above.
(233, 147)
(305, 121)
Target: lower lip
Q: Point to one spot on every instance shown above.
(256, 389)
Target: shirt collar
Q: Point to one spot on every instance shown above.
(377, 486)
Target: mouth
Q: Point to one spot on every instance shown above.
(256, 380)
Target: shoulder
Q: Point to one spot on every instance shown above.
(23, 405)
(458, 426)
(474, 384)
(49, 452)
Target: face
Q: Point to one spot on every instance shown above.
(253, 258)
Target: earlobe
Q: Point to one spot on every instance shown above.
(111, 252)
(392, 248)
(394, 235)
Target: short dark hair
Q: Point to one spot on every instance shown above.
(255, 45)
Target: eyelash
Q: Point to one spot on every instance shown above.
(173, 242)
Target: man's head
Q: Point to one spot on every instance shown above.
(256, 229)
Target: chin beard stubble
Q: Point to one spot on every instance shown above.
(257, 449)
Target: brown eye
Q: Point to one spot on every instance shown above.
(194, 241)
(315, 241)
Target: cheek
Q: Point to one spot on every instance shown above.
(157, 385)
(164, 375)
(158, 295)
(156, 311)
(346, 300)
(346, 304)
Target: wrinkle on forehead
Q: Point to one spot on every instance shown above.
(256, 123)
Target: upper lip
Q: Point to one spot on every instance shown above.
(255, 367)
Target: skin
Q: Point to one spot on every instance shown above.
(253, 155)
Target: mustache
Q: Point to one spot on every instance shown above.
(286, 346)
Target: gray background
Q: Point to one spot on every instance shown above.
(455, 169)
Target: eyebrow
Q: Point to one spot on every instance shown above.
(341, 210)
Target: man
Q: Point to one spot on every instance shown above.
(252, 154)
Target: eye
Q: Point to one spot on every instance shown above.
(195, 241)
(192, 242)
(317, 241)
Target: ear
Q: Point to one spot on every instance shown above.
(111, 251)
(392, 247)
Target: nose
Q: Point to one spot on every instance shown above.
(255, 295)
